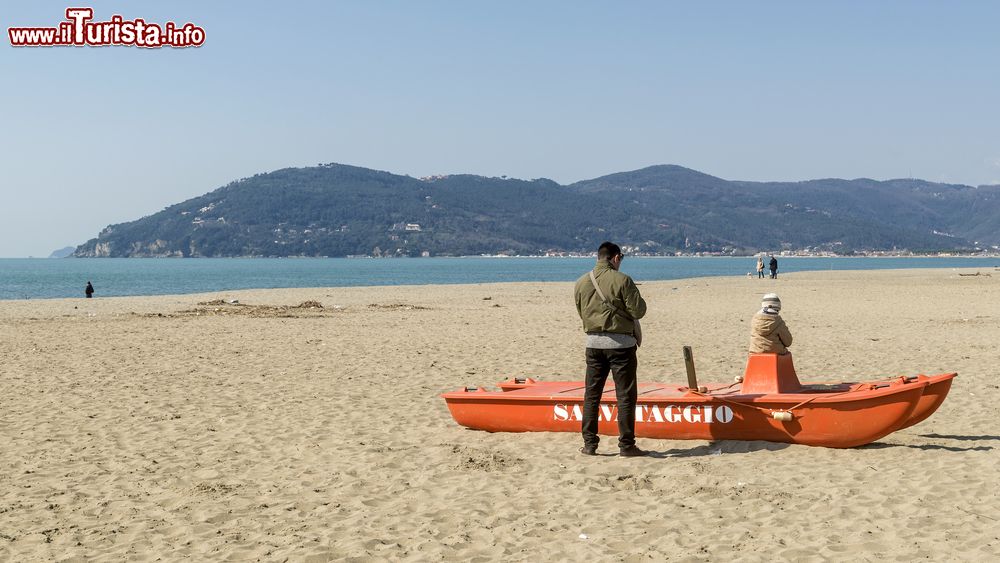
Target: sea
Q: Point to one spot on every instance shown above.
(41, 278)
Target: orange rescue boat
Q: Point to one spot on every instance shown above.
(769, 404)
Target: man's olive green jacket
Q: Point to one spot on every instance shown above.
(619, 289)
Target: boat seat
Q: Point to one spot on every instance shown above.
(770, 373)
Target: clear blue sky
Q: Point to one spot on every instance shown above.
(564, 90)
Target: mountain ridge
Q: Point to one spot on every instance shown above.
(340, 210)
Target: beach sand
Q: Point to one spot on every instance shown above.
(156, 428)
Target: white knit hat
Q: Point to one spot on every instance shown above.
(771, 301)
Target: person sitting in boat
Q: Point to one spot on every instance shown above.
(768, 332)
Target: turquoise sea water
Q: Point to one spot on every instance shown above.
(32, 278)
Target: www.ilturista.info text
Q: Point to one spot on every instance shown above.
(79, 30)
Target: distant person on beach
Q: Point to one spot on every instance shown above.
(609, 304)
(89, 291)
(760, 267)
(774, 267)
(768, 332)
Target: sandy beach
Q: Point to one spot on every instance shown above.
(185, 427)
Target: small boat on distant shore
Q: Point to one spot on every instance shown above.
(768, 404)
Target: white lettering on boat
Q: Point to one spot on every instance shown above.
(672, 413)
(651, 413)
(724, 414)
(690, 415)
(608, 412)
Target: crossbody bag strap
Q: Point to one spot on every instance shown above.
(593, 280)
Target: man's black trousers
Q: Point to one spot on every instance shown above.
(622, 364)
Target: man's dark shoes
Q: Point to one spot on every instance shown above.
(632, 451)
(589, 450)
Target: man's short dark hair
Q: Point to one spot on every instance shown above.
(608, 250)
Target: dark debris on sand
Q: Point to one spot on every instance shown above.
(397, 307)
(220, 307)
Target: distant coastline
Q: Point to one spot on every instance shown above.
(781, 254)
(43, 278)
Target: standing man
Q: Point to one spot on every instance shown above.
(89, 290)
(774, 267)
(609, 305)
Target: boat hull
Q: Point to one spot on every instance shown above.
(934, 394)
(839, 417)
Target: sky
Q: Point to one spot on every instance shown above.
(92, 136)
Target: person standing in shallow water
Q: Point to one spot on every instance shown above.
(609, 304)
(89, 291)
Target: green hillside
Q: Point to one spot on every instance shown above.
(338, 210)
